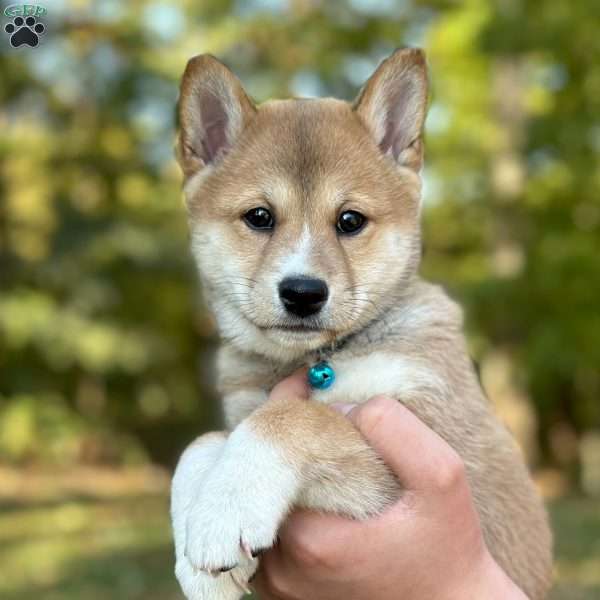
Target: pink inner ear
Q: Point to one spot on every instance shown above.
(401, 126)
(214, 121)
(215, 140)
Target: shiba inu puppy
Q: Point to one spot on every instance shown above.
(305, 223)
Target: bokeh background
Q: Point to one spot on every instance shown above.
(105, 348)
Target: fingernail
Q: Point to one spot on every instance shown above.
(342, 408)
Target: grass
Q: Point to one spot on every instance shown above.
(98, 540)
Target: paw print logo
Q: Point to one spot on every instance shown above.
(24, 31)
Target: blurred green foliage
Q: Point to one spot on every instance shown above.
(103, 351)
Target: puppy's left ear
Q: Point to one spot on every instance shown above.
(393, 105)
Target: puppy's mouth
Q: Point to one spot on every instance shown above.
(295, 328)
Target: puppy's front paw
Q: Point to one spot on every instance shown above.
(199, 585)
(240, 505)
(191, 471)
(228, 524)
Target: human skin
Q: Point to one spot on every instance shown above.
(427, 545)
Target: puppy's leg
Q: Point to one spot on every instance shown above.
(189, 476)
(287, 452)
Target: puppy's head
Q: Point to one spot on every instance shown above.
(304, 213)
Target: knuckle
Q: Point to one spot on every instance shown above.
(273, 584)
(451, 474)
(371, 414)
(310, 553)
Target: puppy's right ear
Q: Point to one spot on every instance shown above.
(213, 111)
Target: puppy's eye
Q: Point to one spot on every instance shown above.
(350, 221)
(259, 218)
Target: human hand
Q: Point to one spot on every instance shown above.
(428, 545)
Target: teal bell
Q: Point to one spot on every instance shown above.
(321, 376)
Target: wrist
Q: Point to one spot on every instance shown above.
(493, 583)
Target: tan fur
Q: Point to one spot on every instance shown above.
(307, 160)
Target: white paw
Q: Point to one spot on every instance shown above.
(241, 503)
(191, 471)
(199, 585)
(226, 526)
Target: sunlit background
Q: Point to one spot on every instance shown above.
(104, 346)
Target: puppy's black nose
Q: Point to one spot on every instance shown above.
(303, 296)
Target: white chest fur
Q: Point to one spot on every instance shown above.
(360, 378)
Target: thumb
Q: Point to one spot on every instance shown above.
(418, 456)
(294, 386)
